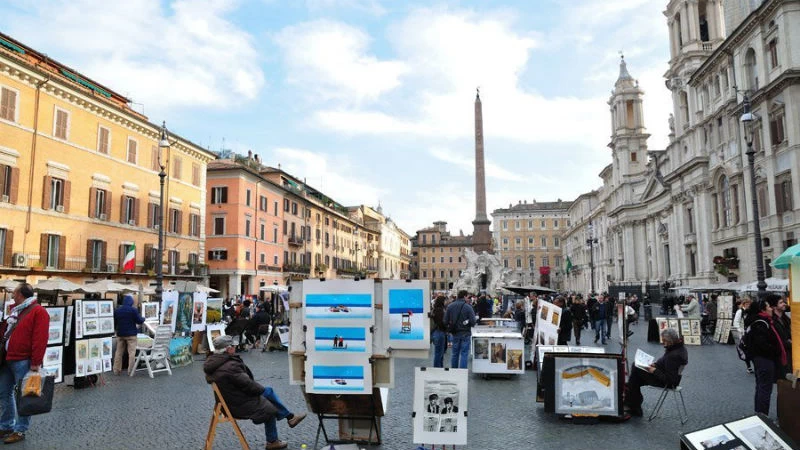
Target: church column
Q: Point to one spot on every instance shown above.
(672, 41)
(703, 223)
(711, 20)
(694, 20)
(629, 256)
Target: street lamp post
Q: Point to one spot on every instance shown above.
(748, 119)
(590, 242)
(163, 146)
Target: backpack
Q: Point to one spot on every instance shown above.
(745, 346)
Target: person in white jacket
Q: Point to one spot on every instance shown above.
(738, 325)
(692, 308)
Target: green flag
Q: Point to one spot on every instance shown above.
(569, 265)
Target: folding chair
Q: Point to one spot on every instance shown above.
(156, 354)
(221, 415)
(677, 392)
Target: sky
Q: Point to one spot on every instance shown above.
(371, 101)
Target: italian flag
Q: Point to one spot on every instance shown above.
(129, 263)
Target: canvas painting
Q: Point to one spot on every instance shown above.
(212, 332)
(183, 320)
(213, 310)
(199, 311)
(674, 324)
(586, 386)
(106, 325)
(405, 314)
(53, 356)
(757, 434)
(56, 315)
(694, 324)
(169, 308)
(97, 366)
(692, 340)
(480, 348)
(89, 309)
(150, 311)
(82, 349)
(107, 365)
(547, 322)
(514, 359)
(338, 374)
(95, 348)
(105, 308)
(498, 352)
(339, 339)
(53, 371)
(710, 437)
(725, 307)
(105, 347)
(686, 329)
(440, 404)
(80, 368)
(91, 326)
(283, 334)
(55, 335)
(68, 326)
(338, 300)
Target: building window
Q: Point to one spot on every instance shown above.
(519, 262)
(544, 241)
(103, 139)
(61, 124)
(532, 262)
(556, 242)
(735, 203)
(247, 226)
(132, 147)
(8, 184)
(262, 203)
(543, 224)
(194, 225)
(155, 159)
(219, 195)
(8, 104)
(177, 167)
(97, 255)
(633, 156)
(53, 248)
(545, 261)
(690, 219)
(772, 48)
(196, 174)
(219, 226)
(516, 225)
(247, 196)
(263, 231)
(247, 255)
(218, 255)
(783, 196)
(424, 259)
(505, 263)
(725, 196)
(555, 223)
(776, 129)
(530, 224)
(557, 261)
(174, 220)
(751, 70)
(57, 194)
(294, 208)
(99, 204)
(505, 225)
(286, 204)
(424, 274)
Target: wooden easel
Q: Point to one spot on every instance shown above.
(221, 415)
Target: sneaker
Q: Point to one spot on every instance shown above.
(275, 445)
(749, 370)
(297, 418)
(16, 436)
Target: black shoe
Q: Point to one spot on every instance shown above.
(636, 412)
(630, 333)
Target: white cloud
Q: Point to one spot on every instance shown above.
(332, 59)
(332, 174)
(185, 55)
(372, 7)
(467, 162)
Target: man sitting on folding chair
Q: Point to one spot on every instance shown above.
(246, 398)
(664, 373)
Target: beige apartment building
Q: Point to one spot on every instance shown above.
(438, 256)
(527, 239)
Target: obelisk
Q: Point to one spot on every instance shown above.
(481, 236)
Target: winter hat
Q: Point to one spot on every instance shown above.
(222, 342)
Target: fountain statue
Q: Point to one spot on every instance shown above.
(484, 272)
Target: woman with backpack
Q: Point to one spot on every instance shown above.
(738, 326)
(765, 348)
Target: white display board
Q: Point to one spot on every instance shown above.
(406, 304)
(496, 351)
(440, 406)
(548, 319)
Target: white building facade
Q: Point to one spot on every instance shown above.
(684, 215)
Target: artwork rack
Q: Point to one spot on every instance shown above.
(366, 407)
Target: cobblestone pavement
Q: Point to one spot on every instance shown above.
(173, 412)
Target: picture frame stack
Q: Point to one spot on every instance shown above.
(89, 348)
(755, 432)
(722, 331)
(688, 329)
(54, 354)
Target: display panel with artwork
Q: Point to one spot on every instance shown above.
(183, 319)
(405, 313)
(169, 308)
(586, 385)
(757, 434)
(440, 406)
(339, 340)
(338, 300)
(338, 374)
(199, 311)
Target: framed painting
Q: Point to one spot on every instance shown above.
(757, 434)
(213, 310)
(406, 305)
(150, 311)
(91, 326)
(55, 334)
(107, 365)
(586, 385)
(53, 356)
(81, 349)
(68, 324)
(183, 318)
(80, 368)
(56, 315)
(341, 301)
(199, 312)
(169, 308)
(440, 406)
(212, 332)
(54, 371)
(105, 347)
(339, 340)
(106, 325)
(95, 348)
(338, 374)
(90, 309)
(105, 308)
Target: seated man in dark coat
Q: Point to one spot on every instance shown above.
(245, 398)
(664, 373)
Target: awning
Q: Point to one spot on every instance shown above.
(791, 255)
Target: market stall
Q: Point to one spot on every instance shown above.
(497, 350)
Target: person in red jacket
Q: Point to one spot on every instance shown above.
(26, 332)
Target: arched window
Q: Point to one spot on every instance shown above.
(725, 196)
(750, 69)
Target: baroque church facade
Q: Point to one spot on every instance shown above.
(683, 216)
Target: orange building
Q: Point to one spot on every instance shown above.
(243, 236)
(79, 179)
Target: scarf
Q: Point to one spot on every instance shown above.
(12, 319)
(771, 323)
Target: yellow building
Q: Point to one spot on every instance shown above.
(79, 177)
(528, 241)
(438, 256)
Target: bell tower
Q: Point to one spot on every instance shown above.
(628, 134)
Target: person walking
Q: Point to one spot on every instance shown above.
(767, 351)
(578, 310)
(738, 326)
(126, 321)
(565, 326)
(25, 334)
(783, 325)
(610, 310)
(438, 331)
(599, 319)
(460, 318)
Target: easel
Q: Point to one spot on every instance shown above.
(221, 415)
(347, 407)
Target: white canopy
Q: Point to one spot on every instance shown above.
(773, 285)
(206, 289)
(9, 285)
(58, 284)
(104, 286)
(274, 288)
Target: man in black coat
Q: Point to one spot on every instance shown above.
(565, 326)
(246, 398)
(666, 372)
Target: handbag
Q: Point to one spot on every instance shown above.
(33, 405)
